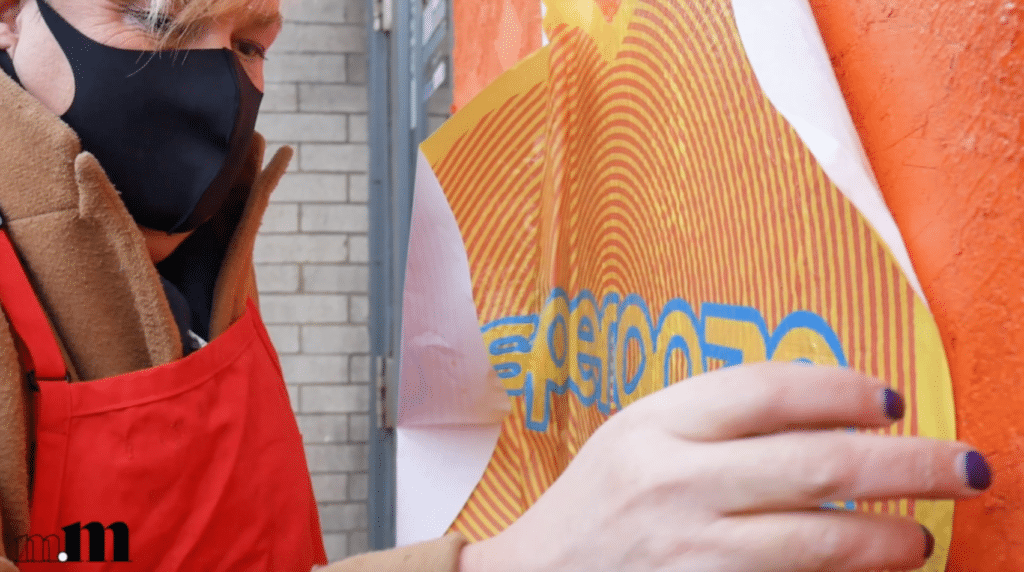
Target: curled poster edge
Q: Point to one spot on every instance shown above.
(789, 59)
(438, 469)
(446, 434)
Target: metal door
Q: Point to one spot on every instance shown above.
(408, 55)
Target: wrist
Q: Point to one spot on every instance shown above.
(482, 557)
(469, 558)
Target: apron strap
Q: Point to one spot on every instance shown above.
(41, 353)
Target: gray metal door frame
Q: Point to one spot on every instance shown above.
(406, 58)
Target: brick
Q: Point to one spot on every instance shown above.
(303, 127)
(324, 428)
(359, 308)
(281, 217)
(358, 248)
(358, 542)
(303, 308)
(359, 368)
(308, 67)
(335, 218)
(338, 158)
(303, 369)
(359, 428)
(293, 397)
(354, 515)
(334, 399)
(280, 97)
(348, 458)
(278, 278)
(355, 69)
(357, 128)
(316, 101)
(358, 486)
(330, 488)
(341, 517)
(302, 187)
(333, 98)
(336, 546)
(336, 279)
(338, 11)
(335, 339)
(285, 338)
(330, 518)
(317, 38)
(358, 188)
(301, 248)
(322, 340)
(354, 11)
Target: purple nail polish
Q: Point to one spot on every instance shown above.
(929, 543)
(979, 476)
(894, 405)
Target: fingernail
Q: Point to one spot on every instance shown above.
(979, 476)
(929, 543)
(893, 403)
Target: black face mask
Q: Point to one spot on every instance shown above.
(170, 128)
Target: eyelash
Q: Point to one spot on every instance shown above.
(255, 49)
(246, 48)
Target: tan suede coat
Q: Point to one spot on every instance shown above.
(91, 270)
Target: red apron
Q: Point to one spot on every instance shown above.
(195, 465)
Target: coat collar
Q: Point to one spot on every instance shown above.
(86, 257)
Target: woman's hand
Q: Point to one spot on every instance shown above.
(726, 472)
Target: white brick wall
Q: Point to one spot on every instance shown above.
(312, 253)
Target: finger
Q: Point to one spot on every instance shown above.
(770, 397)
(807, 469)
(816, 541)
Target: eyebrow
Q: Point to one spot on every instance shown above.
(265, 20)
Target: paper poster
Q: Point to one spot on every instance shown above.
(451, 403)
(642, 201)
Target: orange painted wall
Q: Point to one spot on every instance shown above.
(490, 37)
(936, 89)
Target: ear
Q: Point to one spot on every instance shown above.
(9, 10)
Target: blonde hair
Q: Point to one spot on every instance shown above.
(188, 14)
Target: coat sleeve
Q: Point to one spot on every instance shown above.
(441, 555)
(14, 509)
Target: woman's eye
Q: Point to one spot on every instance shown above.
(251, 49)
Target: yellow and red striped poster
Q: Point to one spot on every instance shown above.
(635, 210)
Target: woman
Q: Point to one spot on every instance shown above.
(190, 449)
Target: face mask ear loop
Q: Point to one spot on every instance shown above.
(7, 65)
